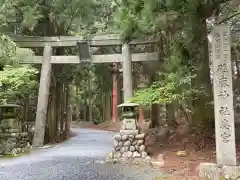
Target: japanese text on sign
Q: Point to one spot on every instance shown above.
(222, 72)
(223, 95)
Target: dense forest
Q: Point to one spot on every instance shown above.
(175, 88)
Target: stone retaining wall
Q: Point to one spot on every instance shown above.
(129, 144)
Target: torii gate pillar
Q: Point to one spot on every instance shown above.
(127, 72)
(42, 104)
(129, 131)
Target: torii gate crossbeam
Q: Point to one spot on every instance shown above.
(70, 41)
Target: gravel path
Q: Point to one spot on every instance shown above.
(80, 158)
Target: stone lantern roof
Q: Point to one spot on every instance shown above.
(10, 105)
(128, 104)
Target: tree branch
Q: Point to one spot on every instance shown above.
(69, 24)
(210, 9)
(228, 18)
(223, 1)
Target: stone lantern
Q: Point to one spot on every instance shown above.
(12, 139)
(129, 116)
(129, 143)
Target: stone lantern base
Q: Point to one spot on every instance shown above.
(129, 144)
(13, 143)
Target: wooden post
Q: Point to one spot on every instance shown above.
(127, 72)
(43, 94)
(58, 106)
(67, 111)
(78, 108)
(223, 96)
(62, 109)
(85, 102)
(141, 114)
(53, 117)
(115, 95)
(90, 98)
(69, 121)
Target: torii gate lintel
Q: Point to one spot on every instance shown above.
(70, 41)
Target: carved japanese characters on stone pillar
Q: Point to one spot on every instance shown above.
(223, 96)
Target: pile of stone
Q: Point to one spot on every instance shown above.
(129, 144)
(13, 143)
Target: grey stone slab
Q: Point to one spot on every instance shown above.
(212, 171)
(223, 96)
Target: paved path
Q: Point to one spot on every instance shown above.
(79, 158)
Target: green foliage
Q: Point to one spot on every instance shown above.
(7, 49)
(178, 20)
(26, 13)
(75, 16)
(10, 53)
(185, 73)
(99, 20)
(57, 17)
(17, 82)
(173, 88)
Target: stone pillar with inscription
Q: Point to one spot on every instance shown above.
(223, 96)
(224, 113)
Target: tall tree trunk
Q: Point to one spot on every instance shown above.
(103, 106)
(62, 110)
(141, 114)
(66, 118)
(108, 106)
(77, 100)
(120, 92)
(48, 119)
(90, 99)
(69, 120)
(85, 102)
(140, 84)
(58, 108)
(115, 98)
(53, 118)
(170, 114)
(24, 116)
(26, 109)
(203, 109)
(155, 115)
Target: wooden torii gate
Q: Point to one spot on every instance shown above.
(47, 60)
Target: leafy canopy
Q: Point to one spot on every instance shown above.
(17, 82)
